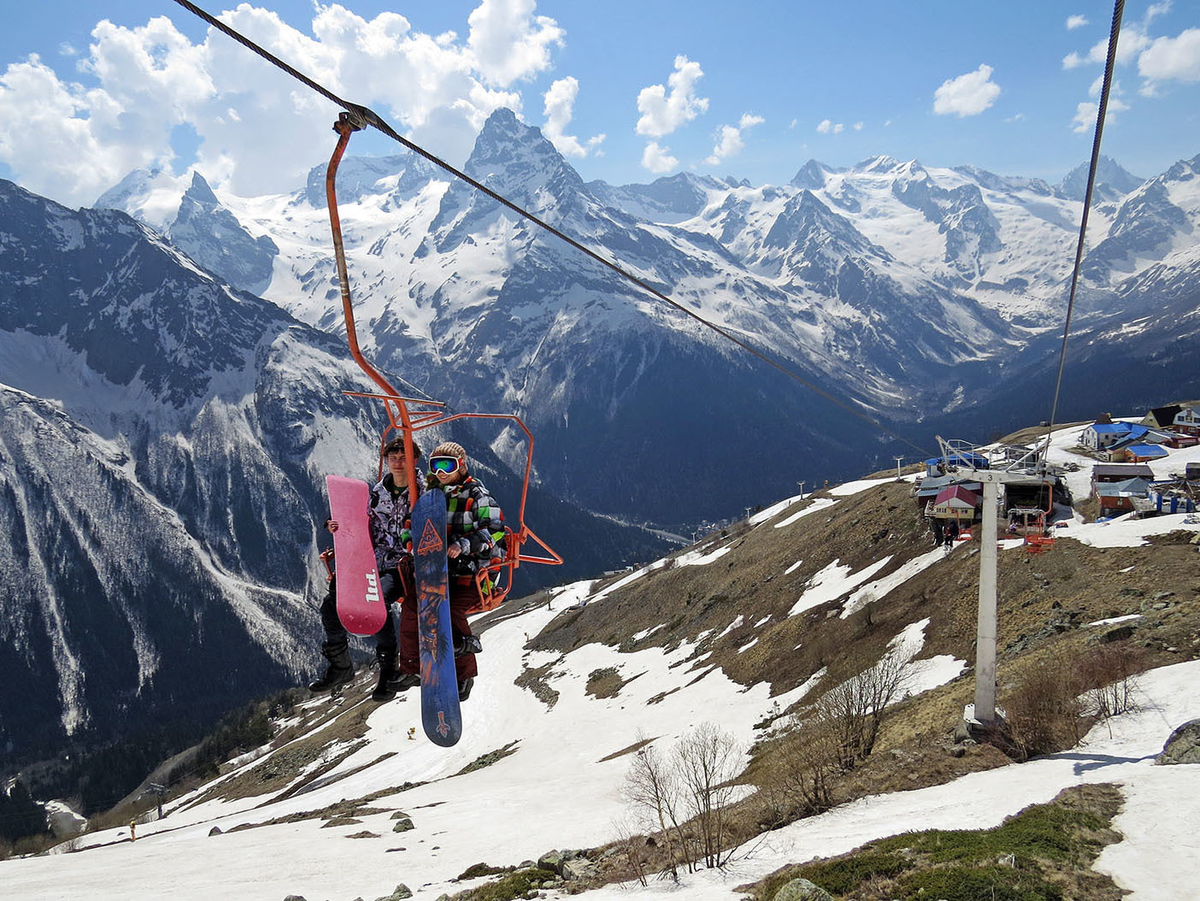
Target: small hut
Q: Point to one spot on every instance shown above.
(955, 502)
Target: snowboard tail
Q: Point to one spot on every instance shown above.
(441, 716)
(360, 604)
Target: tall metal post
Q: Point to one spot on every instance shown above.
(985, 636)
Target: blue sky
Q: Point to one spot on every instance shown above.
(627, 90)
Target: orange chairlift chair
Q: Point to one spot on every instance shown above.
(408, 415)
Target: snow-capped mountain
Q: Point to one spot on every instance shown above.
(163, 445)
(903, 290)
(153, 434)
(197, 224)
(1157, 221)
(1112, 182)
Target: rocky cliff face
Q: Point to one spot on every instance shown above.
(163, 443)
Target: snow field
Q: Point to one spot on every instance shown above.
(561, 785)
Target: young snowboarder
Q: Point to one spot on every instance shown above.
(388, 521)
(475, 528)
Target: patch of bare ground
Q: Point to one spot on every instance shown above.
(536, 680)
(343, 813)
(606, 682)
(701, 604)
(1045, 851)
(631, 749)
(1027, 436)
(486, 760)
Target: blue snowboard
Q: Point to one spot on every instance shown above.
(440, 714)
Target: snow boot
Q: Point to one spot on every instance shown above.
(464, 688)
(387, 674)
(467, 644)
(404, 681)
(340, 670)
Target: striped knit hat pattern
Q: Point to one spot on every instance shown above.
(449, 449)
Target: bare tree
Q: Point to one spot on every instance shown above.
(629, 845)
(854, 710)
(806, 762)
(687, 796)
(1109, 678)
(652, 788)
(1044, 708)
(708, 760)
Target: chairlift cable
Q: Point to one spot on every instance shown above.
(365, 116)
(1109, 65)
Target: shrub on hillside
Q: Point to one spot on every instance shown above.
(1053, 704)
(1044, 708)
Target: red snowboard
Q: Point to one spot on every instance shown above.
(360, 606)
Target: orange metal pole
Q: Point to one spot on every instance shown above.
(344, 127)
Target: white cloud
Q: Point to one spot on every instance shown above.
(967, 95)
(559, 110)
(665, 110)
(1097, 86)
(1085, 115)
(1156, 10)
(658, 159)
(259, 130)
(509, 43)
(1133, 40)
(858, 126)
(729, 139)
(827, 127)
(1172, 59)
(1074, 22)
(56, 151)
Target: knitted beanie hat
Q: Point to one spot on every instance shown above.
(449, 449)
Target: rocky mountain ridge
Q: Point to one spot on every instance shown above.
(163, 445)
(913, 293)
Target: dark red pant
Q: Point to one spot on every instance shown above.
(462, 598)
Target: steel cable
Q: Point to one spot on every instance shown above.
(365, 116)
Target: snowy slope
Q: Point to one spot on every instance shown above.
(561, 785)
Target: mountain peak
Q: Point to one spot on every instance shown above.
(879, 164)
(200, 191)
(518, 161)
(1112, 181)
(811, 175)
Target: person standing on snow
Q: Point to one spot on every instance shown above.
(475, 530)
(389, 521)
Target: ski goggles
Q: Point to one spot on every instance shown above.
(444, 465)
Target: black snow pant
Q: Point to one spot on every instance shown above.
(391, 588)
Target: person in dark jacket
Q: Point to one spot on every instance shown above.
(475, 533)
(389, 520)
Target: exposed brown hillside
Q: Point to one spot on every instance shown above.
(1047, 604)
(1043, 599)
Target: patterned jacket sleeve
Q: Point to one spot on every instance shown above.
(489, 524)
